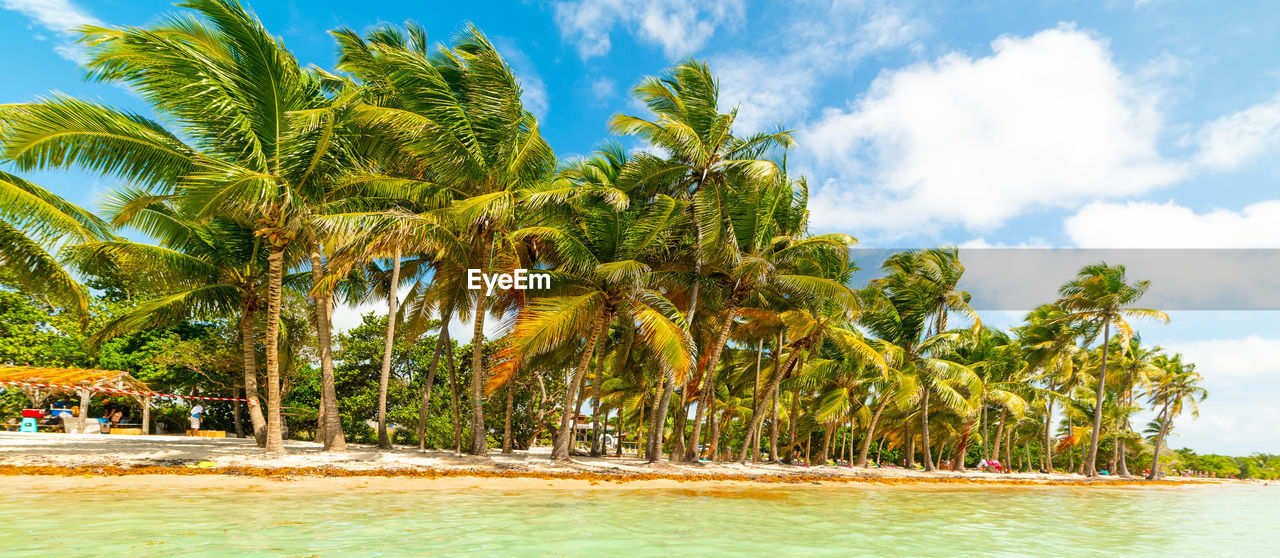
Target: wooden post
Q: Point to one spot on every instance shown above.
(84, 407)
(146, 415)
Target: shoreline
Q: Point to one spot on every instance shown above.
(29, 456)
(579, 478)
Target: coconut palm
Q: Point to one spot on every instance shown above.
(458, 111)
(601, 257)
(202, 269)
(765, 262)
(1050, 350)
(1138, 362)
(700, 156)
(998, 361)
(832, 320)
(1101, 297)
(903, 310)
(31, 219)
(1173, 390)
(231, 87)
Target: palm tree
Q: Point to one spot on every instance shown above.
(389, 232)
(1177, 386)
(998, 362)
(1049, 348)
(32, 218)
(903, 310)
(459, 112)
(601, 257)
(832, 320)
(764, 263)
(701, 155)
(1138, 362)
(1102, 297)
(232, 88)
(202, 268)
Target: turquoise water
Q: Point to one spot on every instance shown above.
(827, 520)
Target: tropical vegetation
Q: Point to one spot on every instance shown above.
(688, 303)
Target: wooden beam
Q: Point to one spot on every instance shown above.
(146, 415)
(84, 406)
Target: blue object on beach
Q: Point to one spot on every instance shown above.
(28, 425)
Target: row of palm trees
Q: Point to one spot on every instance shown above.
(683, 278)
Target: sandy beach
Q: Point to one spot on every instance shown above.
(126, 460)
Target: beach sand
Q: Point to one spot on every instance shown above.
(62, 460)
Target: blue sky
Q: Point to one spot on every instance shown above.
(1113, 124)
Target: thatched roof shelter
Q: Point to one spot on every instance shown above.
(39, 382)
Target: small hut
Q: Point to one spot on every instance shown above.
(38, 383)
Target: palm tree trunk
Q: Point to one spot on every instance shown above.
(597, 427)
(453, 391)
(660, 417)
(1122, 465)
(708, 380)
(640, 426)
(1154, 474)
(999, 435)
(908, 445)
(793, 418)
(679, 425)
(1008, 448)
(388, 347)
(577, 415)
(1048, 431)
(758, 415)
(773, 428)
(560, 451)
(848, 441)
(330, 419)
(539, 420)
(479, 434)
(256, 420)
(924, 428)
(962, 447)
(755, 399)
(431, 380)
(275, 280)
(773, 405)
(717, 421)
(871, 431)
(1091, 468)
(986, 444)
(508, 445)
(619, 431)
(826, 444)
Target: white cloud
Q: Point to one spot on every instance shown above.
(1231, 426)
(59, 16)
(679, 27)
(1242, 377)
(1231, 140)
(1044, 121)
(603, 88)
(533, 89)
(1142, 224)
(1252, 357)
(982, 243)
(347, 317)
(772, 88)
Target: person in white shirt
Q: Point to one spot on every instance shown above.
(195, 416)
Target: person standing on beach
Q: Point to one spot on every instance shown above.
(195, 419)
